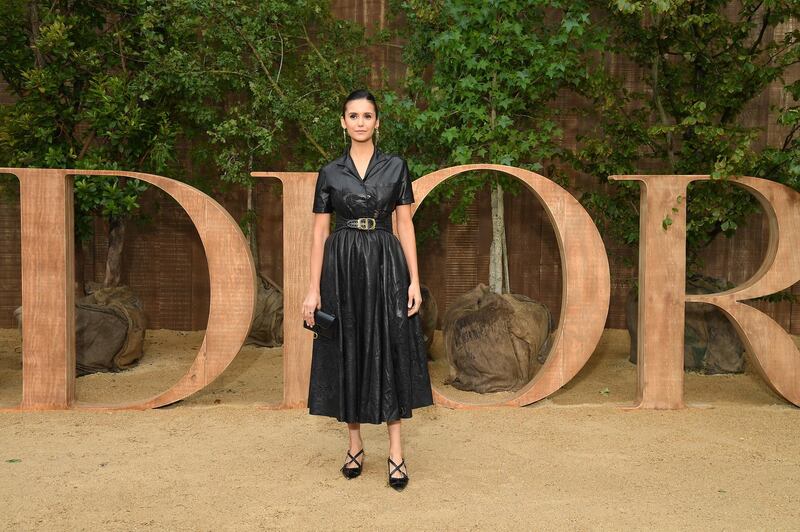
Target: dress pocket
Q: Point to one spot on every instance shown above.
(384, 196)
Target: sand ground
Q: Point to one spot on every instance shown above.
(577, 460)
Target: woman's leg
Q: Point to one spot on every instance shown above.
(355, 441)
(395, 446)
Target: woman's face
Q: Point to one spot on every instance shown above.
(359, 119)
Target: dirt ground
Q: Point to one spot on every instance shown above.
(577, 460)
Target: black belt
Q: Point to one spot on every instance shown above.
(364, 224)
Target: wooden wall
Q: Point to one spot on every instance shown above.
(165, 264)
(10, 262)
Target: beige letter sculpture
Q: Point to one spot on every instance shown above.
(662, 290)
(48, 298)
(585, 296)
(48, 306)
(298, 191)
(586, 288)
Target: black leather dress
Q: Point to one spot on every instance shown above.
(375, 370)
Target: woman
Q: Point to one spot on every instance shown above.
(375, 369)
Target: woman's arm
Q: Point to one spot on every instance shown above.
(408, 240)
(320, 231)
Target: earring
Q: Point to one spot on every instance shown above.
(377, 137)
(344, 136)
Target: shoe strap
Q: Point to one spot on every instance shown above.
(397, 467)
(352, 459)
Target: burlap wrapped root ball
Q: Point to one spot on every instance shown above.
(267, 327)
(109, 331)
(492, 341)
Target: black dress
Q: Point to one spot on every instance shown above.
(376, 369)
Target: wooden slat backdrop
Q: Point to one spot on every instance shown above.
(10, 262)
(165, 264)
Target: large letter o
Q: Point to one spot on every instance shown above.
(586, 286)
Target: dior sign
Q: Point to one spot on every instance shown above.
(48, 297)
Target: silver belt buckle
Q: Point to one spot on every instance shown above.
(364, 223)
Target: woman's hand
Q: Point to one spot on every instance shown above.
(414, 298)
(310, 304)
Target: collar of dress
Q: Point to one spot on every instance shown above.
(377, 159)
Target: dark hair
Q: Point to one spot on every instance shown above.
(360, 94)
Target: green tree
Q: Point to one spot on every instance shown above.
(84, 100)
(482, 84)
(282, 70)
(133, 84)
(703, 64)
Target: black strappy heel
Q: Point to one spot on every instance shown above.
(397, 483)
(352, 472)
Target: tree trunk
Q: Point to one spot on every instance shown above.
(116, 241)
(496, 251)
(506, 277)
(34, 18)
(498, 255)
(80, 267)
(252, 226)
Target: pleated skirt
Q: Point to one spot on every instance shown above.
(376, 369)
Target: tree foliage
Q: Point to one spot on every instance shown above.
(73, 68)
(703, 64)
(483, 81)
(171, 87)
(280, 70)
(192, 88)
(482, 85)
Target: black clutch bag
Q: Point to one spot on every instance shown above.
(324, 324)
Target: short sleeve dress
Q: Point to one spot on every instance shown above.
(376, 369)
